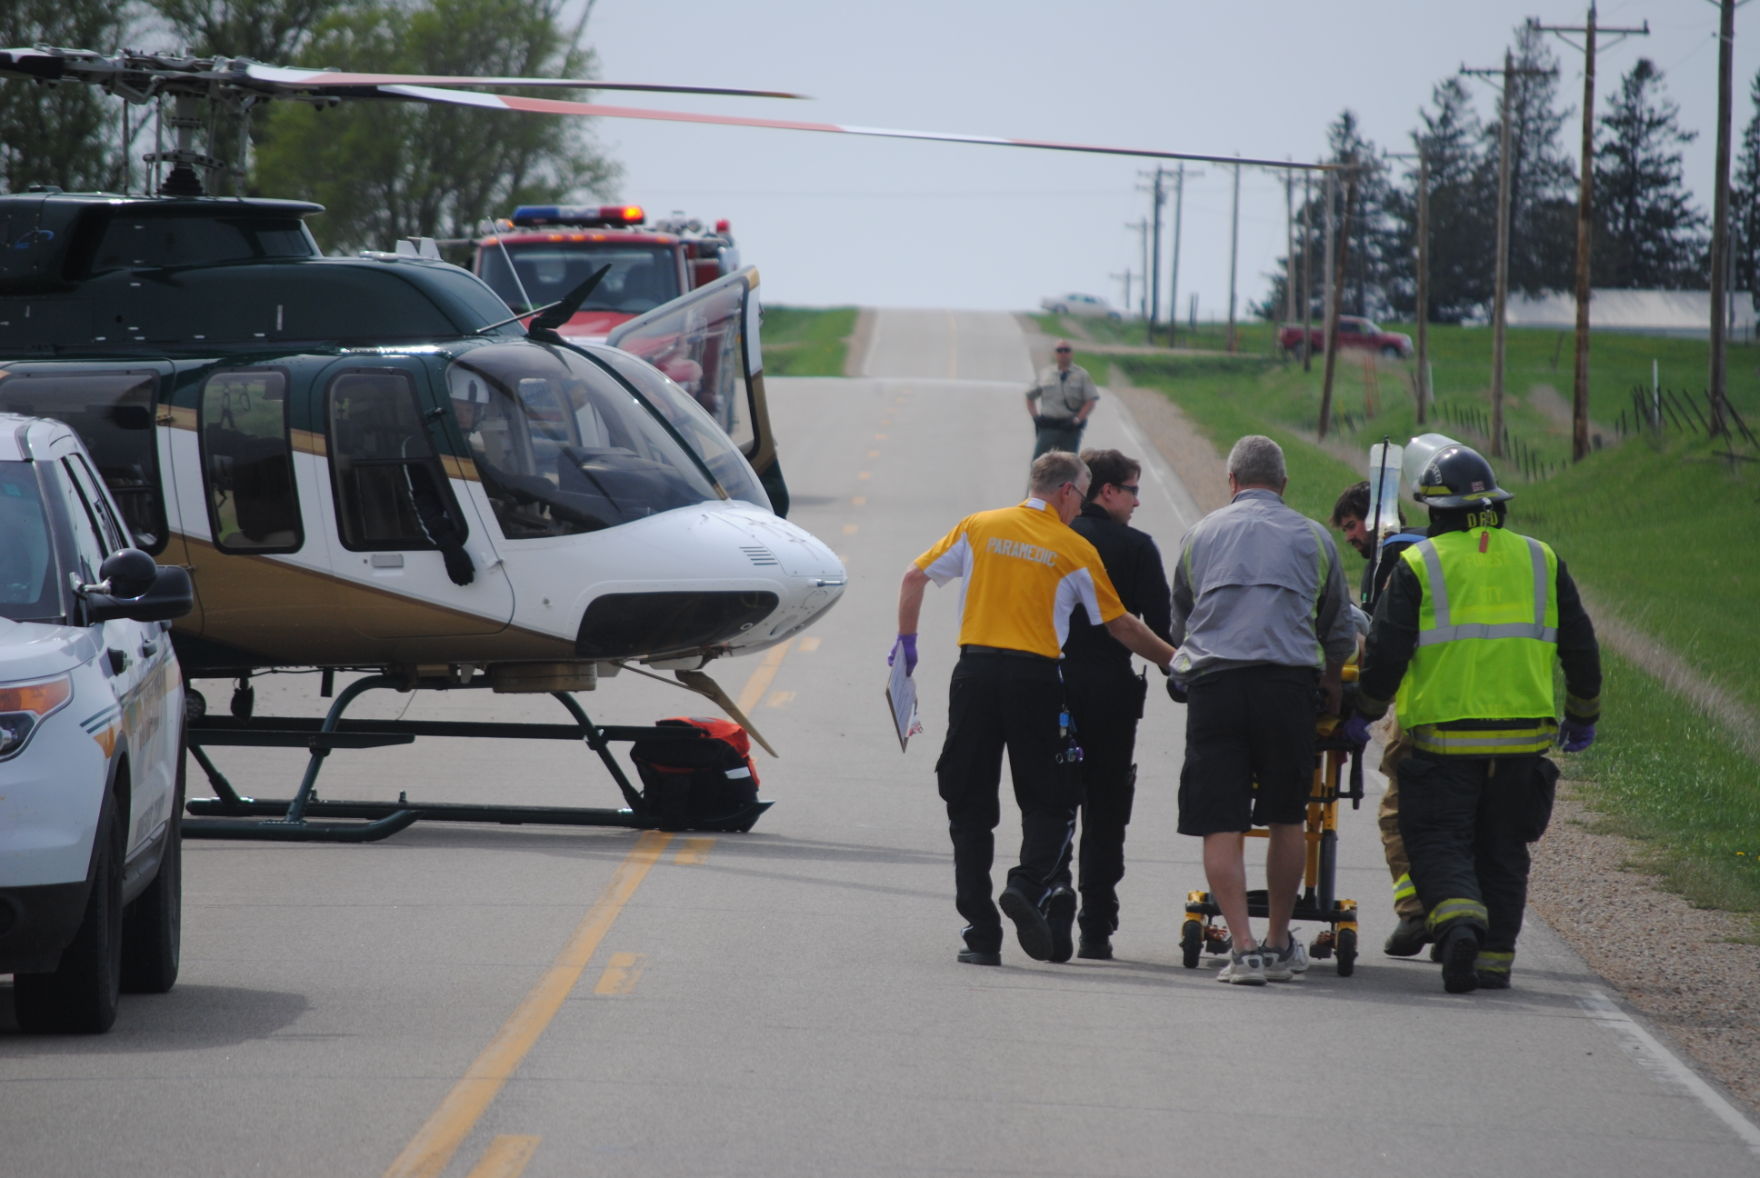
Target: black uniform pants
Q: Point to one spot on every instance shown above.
(997, 702)
(1107, 702)
(1467, 823)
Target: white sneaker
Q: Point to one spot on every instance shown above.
(1245, 967)
(1284, 965)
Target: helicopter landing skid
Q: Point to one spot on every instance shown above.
(231, 815)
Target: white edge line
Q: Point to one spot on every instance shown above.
(1605, 1011)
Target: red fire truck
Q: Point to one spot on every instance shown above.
(545, 251)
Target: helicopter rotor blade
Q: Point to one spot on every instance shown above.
(326, 81)
(557, 106)
(700, 683)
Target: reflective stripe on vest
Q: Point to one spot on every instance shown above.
(1445, 631)
(1487, 641)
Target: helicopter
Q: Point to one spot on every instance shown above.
(368, 464)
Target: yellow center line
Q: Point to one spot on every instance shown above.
(810, 643)
(621, 973)
(506, 1157)
(759, 683)
(693, 851)
(435, 1143)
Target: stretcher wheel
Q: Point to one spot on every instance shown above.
(1346, 950)
(1191, 942)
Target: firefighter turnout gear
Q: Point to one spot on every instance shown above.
(1462, 645)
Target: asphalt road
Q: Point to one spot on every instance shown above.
(498, 1000)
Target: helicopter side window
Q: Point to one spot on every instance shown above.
(247, 462)
(390, 489)
(112, 411)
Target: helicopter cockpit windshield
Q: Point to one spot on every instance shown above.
(562, 447)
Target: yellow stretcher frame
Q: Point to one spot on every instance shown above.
(1316, 900)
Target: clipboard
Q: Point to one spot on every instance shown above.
(901, 702)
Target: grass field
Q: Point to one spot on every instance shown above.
(807, 342)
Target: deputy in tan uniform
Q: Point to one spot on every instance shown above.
(1059, 403)
(1025, 570)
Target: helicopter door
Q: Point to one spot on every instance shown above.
(413, 561)
(707, 341)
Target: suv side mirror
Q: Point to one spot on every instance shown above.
(138, 589)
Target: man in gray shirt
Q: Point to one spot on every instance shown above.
(1261, 616)
(1059, 403)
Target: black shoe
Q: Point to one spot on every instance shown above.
(1459, 949)
(1095, 948)
(1491, 979)
(971, 956)
(1060, 914)
(1411, 936)
(1029, 924)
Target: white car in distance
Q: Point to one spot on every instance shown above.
(1086, 305)
(91, 741)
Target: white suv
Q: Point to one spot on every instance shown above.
(91, 741)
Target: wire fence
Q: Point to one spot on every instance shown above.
(1529, 461)
(1658, 410)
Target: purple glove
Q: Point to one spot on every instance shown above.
(1574, 736)
(1356, 729)
(908, 644)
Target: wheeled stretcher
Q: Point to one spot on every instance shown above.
(1316, 901)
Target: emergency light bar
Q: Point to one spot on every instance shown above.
(587, 215)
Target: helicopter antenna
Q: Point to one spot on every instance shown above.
(507, 257)
(544, 323)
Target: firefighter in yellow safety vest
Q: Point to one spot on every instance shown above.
(1462, 645)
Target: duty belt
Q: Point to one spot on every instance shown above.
(971, 648)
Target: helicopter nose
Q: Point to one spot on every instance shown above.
(815, 577)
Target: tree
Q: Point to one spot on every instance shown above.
(1461, 217)
(385, 170)
(1648, 234)
(1374, 259)
(1744, 202)
(70, 135)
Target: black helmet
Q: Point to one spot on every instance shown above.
(1457, 476)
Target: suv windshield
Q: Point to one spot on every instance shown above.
(561, 446)
(641, 277)
(27, 559)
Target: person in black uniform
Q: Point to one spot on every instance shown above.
(1106, 699)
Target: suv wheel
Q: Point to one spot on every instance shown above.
(80, 996)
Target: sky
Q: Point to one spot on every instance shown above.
(845, 220)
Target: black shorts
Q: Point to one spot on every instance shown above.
(1245, 726)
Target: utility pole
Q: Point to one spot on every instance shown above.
(1585, 223)
(1141, 225)
(1500, 271)
(1308, 274)
(1340, 255)
(1720, 254)
(1179, 205)
(1152, 274)
(1125, 277)
(1423, 299)
(1289, 248)
(1234, 250)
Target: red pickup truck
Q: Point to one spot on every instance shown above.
(1353, 332)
